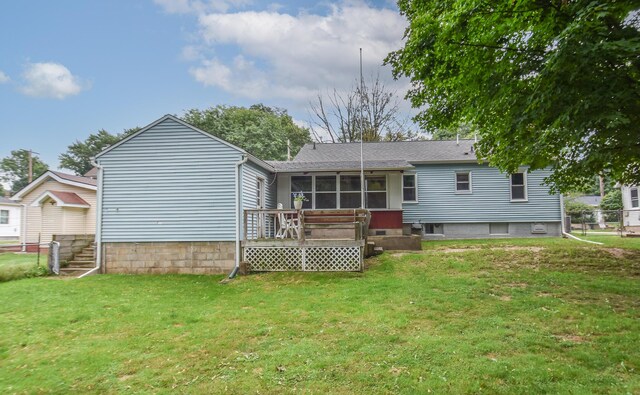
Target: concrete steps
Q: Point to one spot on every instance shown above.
(81, 263)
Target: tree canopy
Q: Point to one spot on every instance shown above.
(79, 154)
(369, 109)
(545, 82)
(260, 130)
(15, 169)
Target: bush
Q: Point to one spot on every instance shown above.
(17, 266)
(612, 200)
(579, 211)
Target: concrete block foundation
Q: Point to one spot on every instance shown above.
(195, 257)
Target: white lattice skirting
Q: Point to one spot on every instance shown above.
(304, 258)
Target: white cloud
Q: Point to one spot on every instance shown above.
(199, 6)
(51, 80)
(4, 78)
(295, 56)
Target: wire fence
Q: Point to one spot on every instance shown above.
(603, 222)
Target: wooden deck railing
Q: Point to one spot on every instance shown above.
(340, 224)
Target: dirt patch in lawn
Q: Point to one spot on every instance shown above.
(617, 252)
(399, 254)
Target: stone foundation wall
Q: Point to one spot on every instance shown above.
(197, 257)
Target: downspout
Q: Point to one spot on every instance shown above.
(98, 223)
(563, 227)
(236, 267)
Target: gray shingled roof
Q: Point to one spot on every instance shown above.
(591, 200)
(409, 151)
(80, 179)
(344, 165)
(7, 200)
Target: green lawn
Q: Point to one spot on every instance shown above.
(507, 316)
(15, 266)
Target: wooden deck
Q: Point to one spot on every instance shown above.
(305, 240)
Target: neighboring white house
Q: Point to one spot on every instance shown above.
(9, 219)
(631, 205)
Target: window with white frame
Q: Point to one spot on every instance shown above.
(326, 192)
(634, 198)
(376, 196)
(340, 191)
(304, 185)
(349, 191)
(519, 186)
(409, 188)
(463, 182)
(4, 217)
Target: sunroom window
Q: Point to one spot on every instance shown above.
(326, 192)
(303, 184)
(349, 191)
(376, 191)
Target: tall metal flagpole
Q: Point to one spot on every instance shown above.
(362, 185)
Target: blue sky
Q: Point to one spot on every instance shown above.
(69, 68)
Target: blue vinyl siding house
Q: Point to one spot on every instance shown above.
(169, 200)
(171, 197)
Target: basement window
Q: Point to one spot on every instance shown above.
(499, 228)
(433, 229)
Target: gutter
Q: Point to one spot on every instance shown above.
(236, 268)
(98, 222)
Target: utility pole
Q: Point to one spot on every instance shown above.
(30, 166)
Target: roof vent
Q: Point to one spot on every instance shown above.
(314, 145)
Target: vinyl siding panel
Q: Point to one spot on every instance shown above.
(250, 175)
(488, 202)
(169, 183)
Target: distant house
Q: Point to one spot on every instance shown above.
(9, 219)
(631, 205)
(593, 201)
(171, 197)
(57, 204)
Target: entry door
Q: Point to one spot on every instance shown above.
(260, 200)
(260, 203)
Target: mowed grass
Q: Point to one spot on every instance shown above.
(14, 266)
(506, 316)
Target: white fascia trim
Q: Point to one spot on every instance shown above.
(176, 119)
(59, 202)
(42, 178)
(261, 163)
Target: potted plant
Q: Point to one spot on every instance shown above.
(298, 199)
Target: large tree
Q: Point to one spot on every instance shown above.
(79, 154)
(369, 109)
(15, 169)
(260, 130)
(546, 82)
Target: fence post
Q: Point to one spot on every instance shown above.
(621, 217)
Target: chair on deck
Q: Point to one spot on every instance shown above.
(286, 227)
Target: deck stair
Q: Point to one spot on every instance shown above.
(81, 262)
